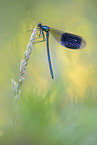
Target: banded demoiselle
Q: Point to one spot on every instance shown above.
(67, 40)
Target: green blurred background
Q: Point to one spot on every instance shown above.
(74, 69)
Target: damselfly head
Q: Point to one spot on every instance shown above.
(39, 24)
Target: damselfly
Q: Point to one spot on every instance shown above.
(67, 40)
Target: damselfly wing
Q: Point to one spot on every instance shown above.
(68, 40)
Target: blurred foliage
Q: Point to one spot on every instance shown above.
(49, 115)
(41, 120)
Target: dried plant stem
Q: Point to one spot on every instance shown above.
(23, 64)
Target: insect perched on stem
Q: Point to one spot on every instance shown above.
(67, 40)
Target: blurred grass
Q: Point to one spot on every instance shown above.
(52, 119)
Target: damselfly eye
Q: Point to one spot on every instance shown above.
(39, 24)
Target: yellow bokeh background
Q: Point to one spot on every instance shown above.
(77, 68)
